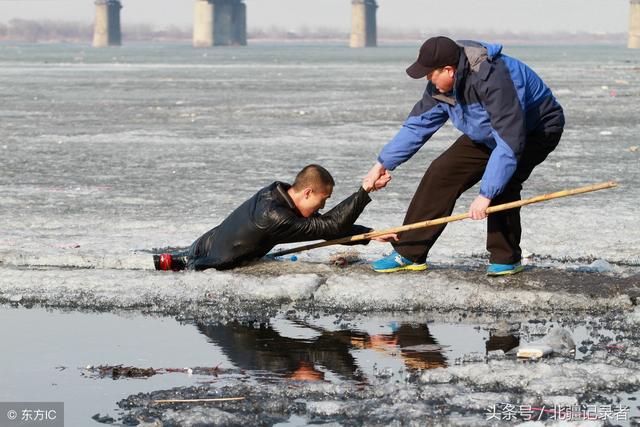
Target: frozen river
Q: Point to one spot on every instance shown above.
(108, 151)
(108, 154)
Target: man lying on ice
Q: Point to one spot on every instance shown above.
(279, 213)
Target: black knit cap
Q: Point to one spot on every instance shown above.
(437, 52)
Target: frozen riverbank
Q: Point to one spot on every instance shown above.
(314, 285)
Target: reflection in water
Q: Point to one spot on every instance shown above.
(315, 352)
(262, 348)
(413, 343)
(501, 341)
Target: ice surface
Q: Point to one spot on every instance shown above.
(353, 289)
(105, 157)
(161, 150)
(600, 266)
(465, 397)
(553, 377)
(201, 416)
(166, 151)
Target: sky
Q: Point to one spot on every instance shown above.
(539, 16)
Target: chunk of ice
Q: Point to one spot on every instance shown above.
(600, 266)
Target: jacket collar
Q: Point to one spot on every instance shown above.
(474, 57)
(449, 99)
(281, 189)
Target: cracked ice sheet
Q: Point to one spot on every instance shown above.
(105, 289)
(272, 284)
(555, 376)
(458, 395)
(439, 291)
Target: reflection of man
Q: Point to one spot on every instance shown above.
(417, 347)
(307, 372)
(279, 213)
(264, 349)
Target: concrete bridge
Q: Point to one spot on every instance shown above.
(224, 23)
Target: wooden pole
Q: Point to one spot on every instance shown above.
(218, 399)
(447, 219)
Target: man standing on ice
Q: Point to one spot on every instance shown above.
(279, 213)
(510, 122)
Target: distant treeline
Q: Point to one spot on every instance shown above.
(25, 30)
(30, 31)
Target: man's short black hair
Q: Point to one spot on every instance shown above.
(314, 176)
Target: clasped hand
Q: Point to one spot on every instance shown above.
(377, 178)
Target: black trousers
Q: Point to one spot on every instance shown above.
(459, 168)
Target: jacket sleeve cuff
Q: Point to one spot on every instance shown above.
(387, 166)
(364, 194)
(486, 194)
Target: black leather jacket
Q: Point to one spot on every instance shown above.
(267, 219)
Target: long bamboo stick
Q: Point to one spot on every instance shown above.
(217, 399)
(429, 223)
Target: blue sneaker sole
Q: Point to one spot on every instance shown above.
(411, 267)
(511, 272)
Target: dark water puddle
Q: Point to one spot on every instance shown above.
(61, 356)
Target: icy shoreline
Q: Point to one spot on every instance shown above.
(465, 401)
(318, 286)
(473, 384)
(476, 390)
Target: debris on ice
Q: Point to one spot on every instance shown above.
(534, 351)
(557, 341)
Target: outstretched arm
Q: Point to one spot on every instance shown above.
(426, 117)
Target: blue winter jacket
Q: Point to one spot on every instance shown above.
(496, 100)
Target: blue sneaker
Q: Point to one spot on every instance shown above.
(396, 262)
(504, 269)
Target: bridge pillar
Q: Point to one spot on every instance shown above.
(223, 22)
(203, 24)
(240, 24)
(107, 26)
(634, 24)
(219, 23)
(363, 23)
